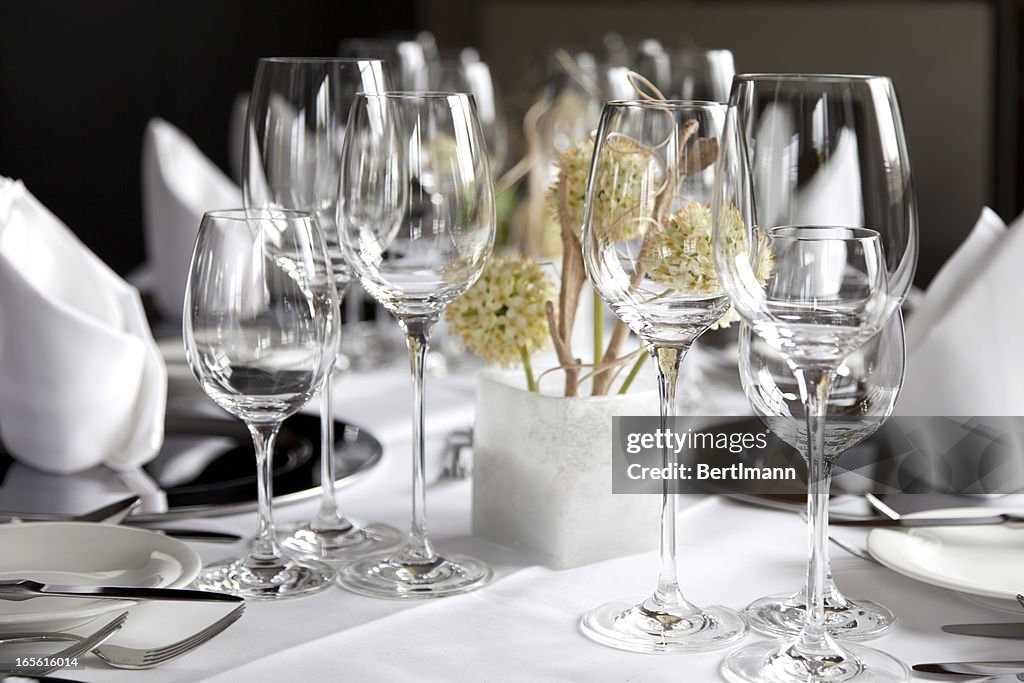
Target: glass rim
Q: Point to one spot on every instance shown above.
(318, 60)
(801, 77)
(825, 233)
(415, 94)
(269, 212)
(670, 104)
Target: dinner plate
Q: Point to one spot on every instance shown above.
(206, 467)
(984, 561)
(79, 553)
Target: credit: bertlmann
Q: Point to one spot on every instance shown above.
(704, 472)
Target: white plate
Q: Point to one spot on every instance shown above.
(984, 561)
(85, 554)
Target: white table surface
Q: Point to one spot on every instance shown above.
(522, 627)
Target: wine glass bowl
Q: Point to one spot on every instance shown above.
(417, 220)
(647, 249)
(259, 318)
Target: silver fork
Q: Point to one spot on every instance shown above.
(123, 657)
(81, 645)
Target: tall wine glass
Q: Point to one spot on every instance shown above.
(647, 249)
(416, 215)
(816, 242)
(863, 395)
(294, 130)
(260, 308)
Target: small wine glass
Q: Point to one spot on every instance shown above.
(863, 395)
(259, 317)
(647, 249)
(294, 130)
(416, 215)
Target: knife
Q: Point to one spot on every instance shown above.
(1006, 668)
(1009, 629)
(108, 514)
(25, 589)
(201, 535)
(910, 522)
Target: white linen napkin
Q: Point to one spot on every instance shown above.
(81, 379)
(963, 355)
(179, 184)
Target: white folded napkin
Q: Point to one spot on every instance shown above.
(81, 379)
(963, 340)
(179, 184)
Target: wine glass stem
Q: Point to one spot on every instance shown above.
(667, 596)
(814, 388)
(264, 547)
(328, 515)
(417, 336)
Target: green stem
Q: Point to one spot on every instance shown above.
(633, 373)
(598, 328)
(531, 383)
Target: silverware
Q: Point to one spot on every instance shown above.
(114, 513)
(993, 630)
(78, 649)
(456, 464)
(122, 657)
(881, 506)
(913, 522)
(1005, 668)
(26, 589)
(201, 535)
(862, 553)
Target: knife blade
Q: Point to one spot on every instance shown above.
(109, 514)
(915, 522)
(201, 535)
(1004, 668)
(1009, 629)
(25, 589)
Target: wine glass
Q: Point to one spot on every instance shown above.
(259, 318)
(408, 63)
(863, 394)
(701, 74)
(646, 246)
(294, 129)
(416, 215)
(815, 241)
(470, 74)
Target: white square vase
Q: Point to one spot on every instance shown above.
(542, 474)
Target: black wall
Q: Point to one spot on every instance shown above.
(79, 80)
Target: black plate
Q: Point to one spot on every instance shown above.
(220, 481)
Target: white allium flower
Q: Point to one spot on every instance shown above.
(502, 314)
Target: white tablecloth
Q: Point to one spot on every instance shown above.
(522, 627)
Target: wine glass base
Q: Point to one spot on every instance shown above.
(768, 662)
(334, 545)
(629, 626)
(285, 578)
(784, 616)
(385, 576)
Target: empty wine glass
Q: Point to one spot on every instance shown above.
(647, 248)
(294, 130)
(701, 74)
(470, 74)
(863, 394)
(416, 215)
(259, 318)
(815, 242)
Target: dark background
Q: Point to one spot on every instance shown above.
(79, 80)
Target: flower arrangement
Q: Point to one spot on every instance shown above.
(512, 310)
